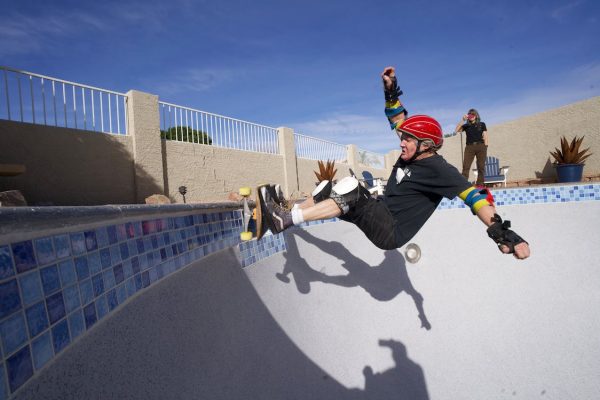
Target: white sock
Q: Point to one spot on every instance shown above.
(297, 216)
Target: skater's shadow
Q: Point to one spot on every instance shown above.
(405, 380)
(383, 282)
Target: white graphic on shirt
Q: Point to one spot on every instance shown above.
(401, 173)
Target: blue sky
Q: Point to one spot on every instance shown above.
(314, 65)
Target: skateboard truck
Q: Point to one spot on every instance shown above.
(247, 216)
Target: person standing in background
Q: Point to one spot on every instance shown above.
(477, 144)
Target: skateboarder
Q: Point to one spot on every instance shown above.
(418, 182)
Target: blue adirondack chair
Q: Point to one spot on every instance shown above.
(494, 173)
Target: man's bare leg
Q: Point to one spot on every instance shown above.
(324, 210)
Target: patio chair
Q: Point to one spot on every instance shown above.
(493, 172)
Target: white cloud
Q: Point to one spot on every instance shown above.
(192, 80)
(561, 13)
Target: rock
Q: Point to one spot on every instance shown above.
(12, 198)
(158, 199)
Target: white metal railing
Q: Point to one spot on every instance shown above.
(188, 125)
(319, 149)
(371, 159)
(39, 99)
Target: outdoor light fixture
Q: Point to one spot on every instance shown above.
(183, 191)
(412, 253)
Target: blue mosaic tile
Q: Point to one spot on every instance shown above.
(76, 324)
(145, 279)
(62, 246)
(127, 269)
(105, 258)
(111, 298)
(71, 297)
(109, 279)
(101, 237)
(56, 307)
(6, 265)
(89, 314)
(10, 301)
(124, 251)
(3, 387)
(44, 250)
(111, 231)
(131, 289)
(132, 247)
(86, 290)
(135, 265)
(23, 256)
(140, 246)
(82, 268)
(122, 294)
(78, 243)
(119, 275)
(94, 263)
(101, 307)
(130, 230)
(50, 279)
(98, 284)
(13, 333)
(138, 282)
(60, 336)
(115, 255)
(90, 240)
(67, 272)
(37, 319)
(42, 350)
(19, 368)
(121, 232)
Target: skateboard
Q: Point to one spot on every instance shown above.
(254, 224)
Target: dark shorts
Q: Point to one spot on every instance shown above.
(377, 223)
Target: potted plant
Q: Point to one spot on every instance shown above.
(569, 159)
(326, 171)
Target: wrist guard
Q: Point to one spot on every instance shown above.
(500, 233)
(392, 93)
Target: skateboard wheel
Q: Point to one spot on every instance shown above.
(245, 191)
(245, 236)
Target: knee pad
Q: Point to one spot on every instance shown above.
(322, 191)
(348, 194)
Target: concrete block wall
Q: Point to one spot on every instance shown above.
(525, 143)
(76, 167)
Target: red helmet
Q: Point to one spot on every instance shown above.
(423, 127)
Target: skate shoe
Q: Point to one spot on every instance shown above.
(276, 217)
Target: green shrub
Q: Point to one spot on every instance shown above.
(186, 134)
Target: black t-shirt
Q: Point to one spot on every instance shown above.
(474, 131)
(414, 190)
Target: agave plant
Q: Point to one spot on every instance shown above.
(569, 152)
(326, 171)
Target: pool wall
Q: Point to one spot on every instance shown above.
(64, 270)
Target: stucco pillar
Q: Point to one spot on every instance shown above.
(353, 157)
(287, 149)
(144, 128)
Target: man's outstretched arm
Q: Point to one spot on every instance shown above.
(394, 110)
